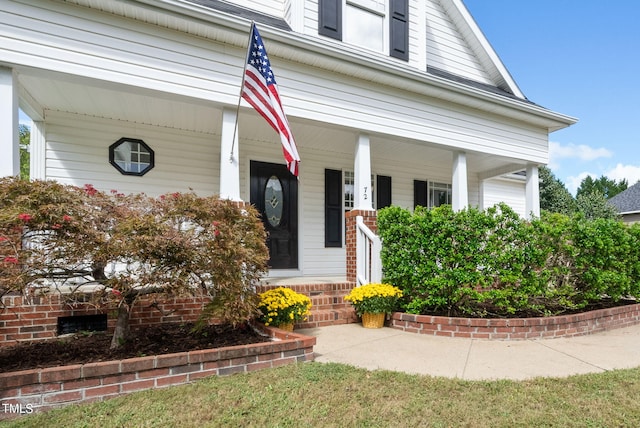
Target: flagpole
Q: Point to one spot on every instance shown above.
(244, 73)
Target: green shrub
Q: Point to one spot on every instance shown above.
(65, 237)
(493, 263)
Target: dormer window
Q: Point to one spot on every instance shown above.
(373, 24)
(365, 26)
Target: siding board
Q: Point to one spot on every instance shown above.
(447, 48)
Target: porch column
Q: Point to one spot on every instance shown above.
(362, 174)
(37, 149)
(459, 189)
(532, 192)
(229, 157)
(9, 137)
(483, 185)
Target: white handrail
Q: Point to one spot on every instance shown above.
(368, 247)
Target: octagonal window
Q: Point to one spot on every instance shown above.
(131, 156)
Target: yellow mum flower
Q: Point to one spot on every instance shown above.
(282, 305)
(374, 298)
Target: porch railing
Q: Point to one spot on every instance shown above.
(368, 246)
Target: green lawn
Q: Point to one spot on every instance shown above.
(335, 395)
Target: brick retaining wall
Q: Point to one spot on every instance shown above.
(519, 328)
(43, 389)
(36, 317)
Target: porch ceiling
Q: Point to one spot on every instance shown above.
(40, 91)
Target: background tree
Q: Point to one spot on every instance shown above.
(603, 185)
(554, 196)
(594, 205)
(65, 238)
(25, 138)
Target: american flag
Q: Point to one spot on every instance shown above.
(260, 90)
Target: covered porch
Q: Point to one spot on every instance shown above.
(205, 146)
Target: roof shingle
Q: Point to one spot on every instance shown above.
(627, 201)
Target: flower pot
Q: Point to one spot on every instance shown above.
(286, 327)
(373, 320)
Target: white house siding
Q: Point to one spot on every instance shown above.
(447, 49)
(379, 109)
(269, 7)
(163, 68)
(54, 36)
(78, 153)
(143, 55)
(410, 163)
(508, 191)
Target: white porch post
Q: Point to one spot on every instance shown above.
(459, 188)
(229, 163)
(37, 149)
(532, 192)
(9, 138)
(362, 174)
(483, 185)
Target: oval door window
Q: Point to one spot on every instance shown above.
(273, 201)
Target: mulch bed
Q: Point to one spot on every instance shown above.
(93, 347)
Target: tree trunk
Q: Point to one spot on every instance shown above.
(121, 333)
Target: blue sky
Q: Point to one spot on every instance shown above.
(580, 58)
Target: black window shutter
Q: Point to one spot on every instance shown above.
(399, 29)
(419, 193)
(383, 191)
(330, 18)
(332, 208)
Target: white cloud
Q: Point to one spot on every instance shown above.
(619, 172)
(573, 182)
(630, 172)
(576, 151)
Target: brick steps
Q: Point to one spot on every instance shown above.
(328, 304)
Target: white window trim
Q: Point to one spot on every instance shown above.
(438, 185)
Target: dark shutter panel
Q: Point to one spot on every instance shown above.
(383, 191)
(419, 193)
(332, 208)
(399, 29)
(330, 18)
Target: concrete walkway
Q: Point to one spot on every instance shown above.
(476, 359)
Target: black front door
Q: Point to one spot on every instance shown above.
(274, 193)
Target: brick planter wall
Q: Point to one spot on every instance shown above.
(519, 328)
(36, 317)
(43, 389)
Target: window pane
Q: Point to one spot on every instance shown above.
(363, 28)
(273, 201)
(349, 188)
(439, 194)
